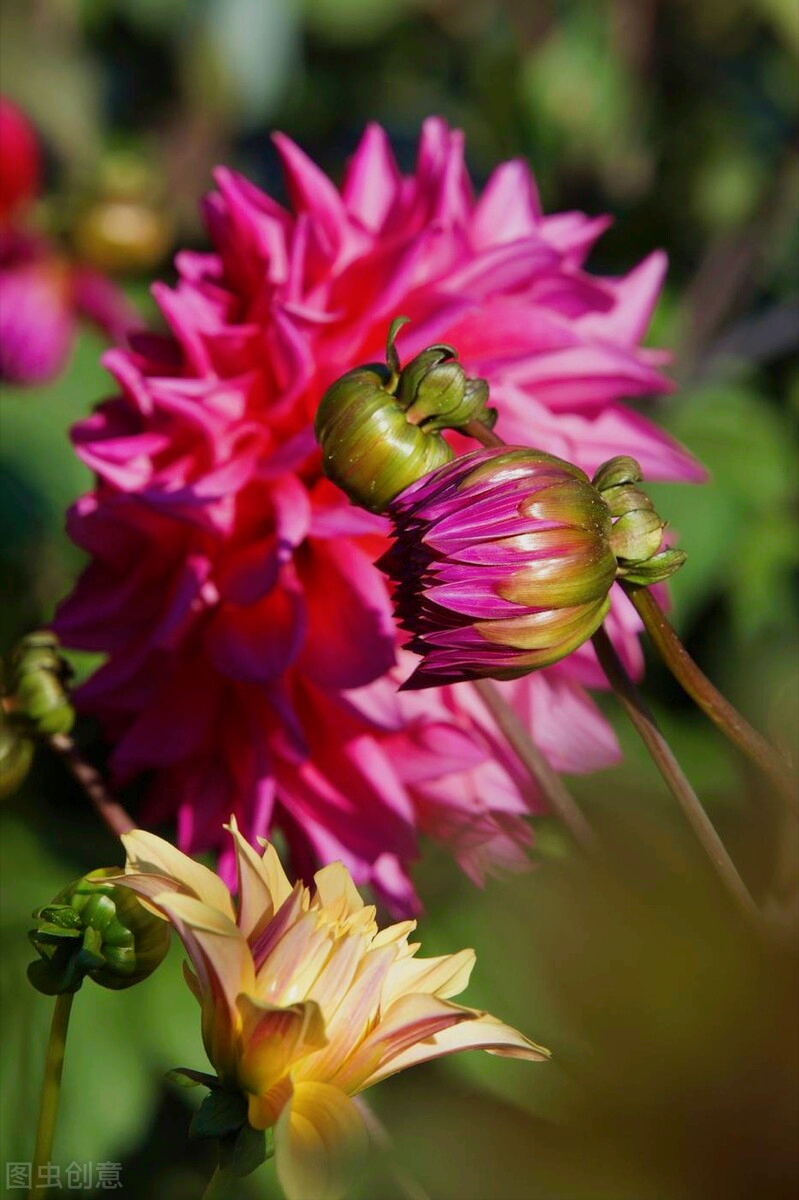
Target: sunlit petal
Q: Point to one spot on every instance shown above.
(318, 1136)
(482, 1033)
(275, 1038)
(444, 977)
(151, 855)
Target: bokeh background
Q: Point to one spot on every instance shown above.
(674, 1037)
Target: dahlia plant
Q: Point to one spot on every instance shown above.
(252, 662)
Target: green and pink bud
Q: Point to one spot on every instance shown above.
(503, 561)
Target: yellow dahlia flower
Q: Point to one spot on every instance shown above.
(305, 1002)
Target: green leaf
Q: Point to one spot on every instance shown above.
(250, 1148)
(221, 1112)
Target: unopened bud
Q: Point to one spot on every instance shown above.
(501, 563)
(16, 755)
(99, 929)
(379, 426)
(36, 697)
(637, 534)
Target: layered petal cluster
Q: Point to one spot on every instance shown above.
(502, 564)
(43, 292)
(252, 663)
(305, 1002)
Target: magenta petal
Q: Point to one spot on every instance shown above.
(251, 652)
(339, 578)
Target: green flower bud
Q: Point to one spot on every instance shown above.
(37, 687)
(637, 533)
(99, 929)
(16, 755)
(379, 426)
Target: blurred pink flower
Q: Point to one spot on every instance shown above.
(252, 662)
(42, 291)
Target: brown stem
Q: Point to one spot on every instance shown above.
(723, 715)
(481, 433)
(557, 795)
(89, 778)
(646, 726)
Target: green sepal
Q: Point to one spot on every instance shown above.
(223, 1115)
(617, 472)
(379, 426)
(655, 570)
(245, 1150)
(187, 1077)
(220, 1114)
(56, 972)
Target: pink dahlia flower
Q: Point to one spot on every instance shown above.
(252, 656)
(42, 292)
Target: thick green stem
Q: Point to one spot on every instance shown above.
(644, 722)
(220, 1184)
(51, 1091)
(557, 795)
(723, 715)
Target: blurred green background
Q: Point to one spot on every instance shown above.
(674, 1037)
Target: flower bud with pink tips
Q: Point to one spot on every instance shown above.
(503, 561)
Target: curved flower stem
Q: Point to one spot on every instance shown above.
(219, 1185)
(481, 433)
(89, 778)
(557, 795)
(51, 1091)
(723, 715)
(644, 722)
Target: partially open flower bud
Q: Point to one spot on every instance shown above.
(637, 534)
(37, 698)
(379, 426)
(99, 929)
(502, 564)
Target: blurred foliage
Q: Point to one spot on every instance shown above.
(674, 1071)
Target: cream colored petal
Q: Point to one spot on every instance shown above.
(151, 855)
(288, 972)
(336, 892)
(214, 943)
(409, 1020)
(333, 982)
(319, 1135)
(394, 934)
(222, 961)
(443, 977)
(277, 879)
(256, 903)
(348, 1024)
(273, 1039)
(484, 1032)
(192, 982)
